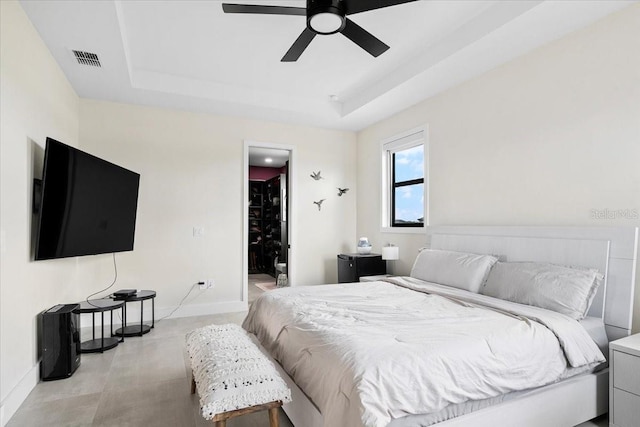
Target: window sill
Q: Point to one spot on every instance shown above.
(404, 230)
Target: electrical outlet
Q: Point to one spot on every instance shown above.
(207, 284)
(198, 231)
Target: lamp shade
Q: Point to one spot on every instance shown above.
(390, 253)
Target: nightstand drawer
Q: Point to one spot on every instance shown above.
(626, 373)
(626, 409)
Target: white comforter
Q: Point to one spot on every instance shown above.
(367, 353)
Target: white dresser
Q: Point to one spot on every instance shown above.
(624, 382)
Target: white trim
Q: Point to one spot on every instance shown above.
(133, 315)
(404, 134)
(404, 230)
(18, 394)
(203, 309)
(292, 235)
(397, 142)
(413, 139)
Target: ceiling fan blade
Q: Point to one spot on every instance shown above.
(357, 6)
(299, 46)
(264, 10)
(363, 38)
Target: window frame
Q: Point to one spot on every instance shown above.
(399, 184)
(389, 147)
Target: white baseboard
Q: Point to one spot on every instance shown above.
(202, 309)
(133, 316)
(14, 399)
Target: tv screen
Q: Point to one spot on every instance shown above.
(88, 205)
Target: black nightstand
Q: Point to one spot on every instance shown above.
(352, 266)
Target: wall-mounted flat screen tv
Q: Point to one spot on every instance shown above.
(87, 207)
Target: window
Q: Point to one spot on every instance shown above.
(404, 181)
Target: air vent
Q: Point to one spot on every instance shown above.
(87, 58)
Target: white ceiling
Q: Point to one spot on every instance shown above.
(190, 55)
(258, 156)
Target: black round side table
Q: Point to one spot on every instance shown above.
(94, 306)
(141, 329)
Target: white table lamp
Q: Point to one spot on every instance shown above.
(390, 253)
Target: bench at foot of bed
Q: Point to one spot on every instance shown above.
(232, 376)
(220, 420)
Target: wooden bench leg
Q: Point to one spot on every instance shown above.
(273, 417)
(220, 419)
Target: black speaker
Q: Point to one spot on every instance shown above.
(59, 342)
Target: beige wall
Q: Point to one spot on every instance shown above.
(191, 168)
(542, 140)
(37, 101)
(192, 175)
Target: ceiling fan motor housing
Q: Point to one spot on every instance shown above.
(326, 16)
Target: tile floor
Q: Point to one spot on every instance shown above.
(143, 382)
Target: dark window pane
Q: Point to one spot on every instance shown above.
(409, 204)
(409, 163)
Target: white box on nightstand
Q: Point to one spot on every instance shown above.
(624, 382)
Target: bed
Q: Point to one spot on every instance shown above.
(442, 349)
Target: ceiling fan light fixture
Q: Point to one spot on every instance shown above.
(326, 23)
(326, 16)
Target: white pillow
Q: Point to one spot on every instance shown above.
(457, 269)
(563, 289)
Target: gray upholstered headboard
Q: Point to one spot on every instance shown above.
(612, 250)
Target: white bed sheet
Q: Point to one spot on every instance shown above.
(370, 353)
(597, 331)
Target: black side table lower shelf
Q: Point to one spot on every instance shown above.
(99, 345)
(94, 306)
(133, 330)
(141, 329)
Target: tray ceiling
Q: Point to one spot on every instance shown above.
(189, 55)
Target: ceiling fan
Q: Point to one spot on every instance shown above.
(324, 17)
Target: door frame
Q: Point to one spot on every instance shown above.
(291, 220)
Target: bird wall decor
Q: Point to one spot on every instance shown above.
(316, 176)
(342, 191)
(319, 203)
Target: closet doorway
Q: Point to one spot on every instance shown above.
(268, 220)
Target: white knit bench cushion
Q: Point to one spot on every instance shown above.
(231, 372)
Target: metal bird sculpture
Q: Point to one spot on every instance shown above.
(341, 191)
(319, 203)
(316, 175)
